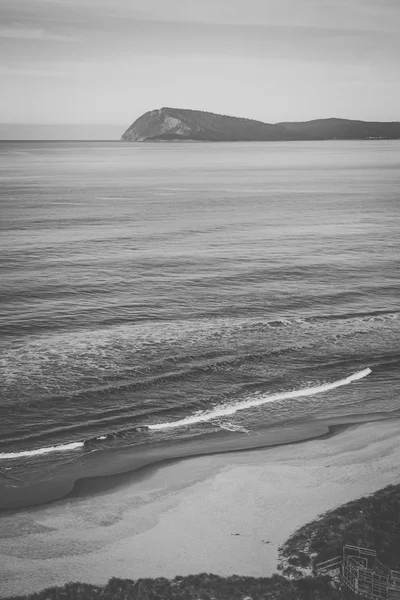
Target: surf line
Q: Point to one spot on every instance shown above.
(202, 417)
(230, 409)
(41, 451)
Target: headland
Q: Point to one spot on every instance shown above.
(181, 124)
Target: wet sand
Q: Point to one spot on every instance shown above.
(94, 470)
(223, 513)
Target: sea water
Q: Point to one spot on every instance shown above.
(192, 289)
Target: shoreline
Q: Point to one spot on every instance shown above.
(85, 487)
(106, 470)
(225, 513)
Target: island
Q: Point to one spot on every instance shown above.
(181, 124)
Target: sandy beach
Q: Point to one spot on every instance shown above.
(223, 513)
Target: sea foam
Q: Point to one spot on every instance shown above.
(230, 409)
(40, 451)
(204, 416)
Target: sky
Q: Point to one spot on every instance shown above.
(98, 62)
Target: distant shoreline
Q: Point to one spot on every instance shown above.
(175, 124)
(189, 141)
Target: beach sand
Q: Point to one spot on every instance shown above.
(223, 513)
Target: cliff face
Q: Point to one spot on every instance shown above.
(183, 124)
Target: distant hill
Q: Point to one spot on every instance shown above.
(172, 124)
(183, 124)
(344, 129)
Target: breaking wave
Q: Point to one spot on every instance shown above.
(40, 451)
(225, 410)
(212, 415)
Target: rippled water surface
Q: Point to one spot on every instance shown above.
(203, 283)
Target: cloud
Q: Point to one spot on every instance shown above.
(104, 15)
(31, 72)
(130, 40)
(110, 54)
(298, 29)
(27, 33)
(314, 44)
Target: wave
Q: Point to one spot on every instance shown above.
(40, 451)
(358, 317)
(225, 410)
(204, 416)
(231, 426)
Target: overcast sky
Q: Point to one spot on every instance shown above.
(98, 61)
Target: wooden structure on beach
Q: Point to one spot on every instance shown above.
(360, 570)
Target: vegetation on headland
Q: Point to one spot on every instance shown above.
(371, 522)
(173, 124)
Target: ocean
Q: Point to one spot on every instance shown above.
(200, 291)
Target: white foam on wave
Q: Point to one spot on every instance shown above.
(230, 409)
(204, 416)
(231, 426)
(40, 451)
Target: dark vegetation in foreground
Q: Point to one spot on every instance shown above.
(371, 522)
(197, 587)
